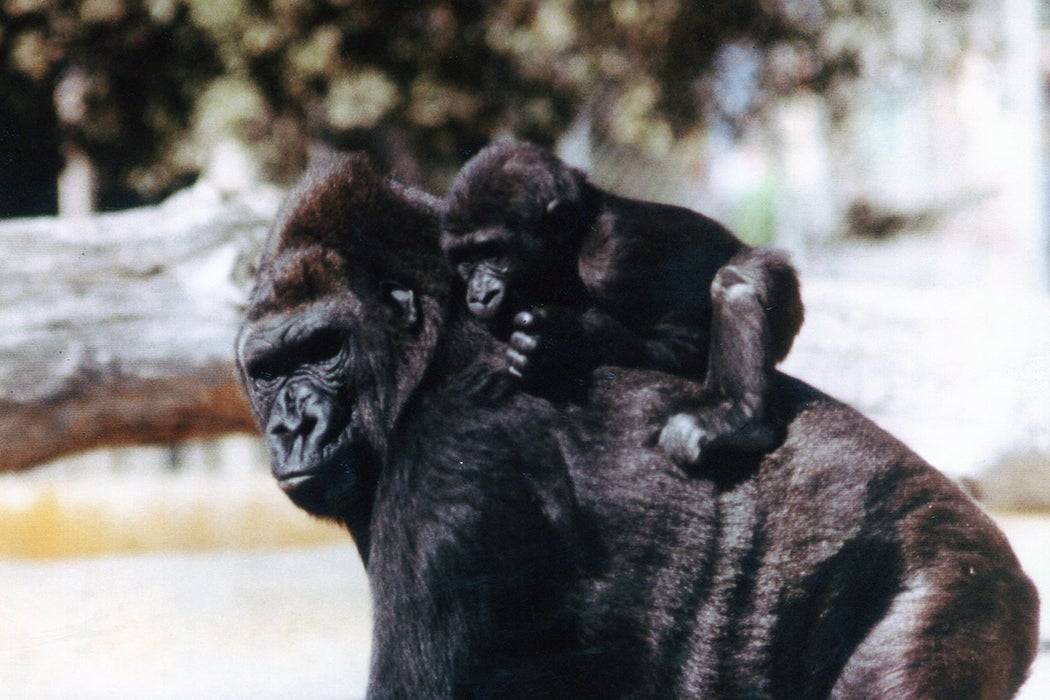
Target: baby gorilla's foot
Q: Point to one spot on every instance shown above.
(682, 439)
(686, 437)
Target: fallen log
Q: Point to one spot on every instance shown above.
(119, 328)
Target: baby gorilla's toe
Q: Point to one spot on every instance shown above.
(682, 439)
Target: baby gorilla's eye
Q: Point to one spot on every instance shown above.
(499, 264)
(465, 270)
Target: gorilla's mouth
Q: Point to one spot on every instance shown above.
(291, 482)
(320, 486)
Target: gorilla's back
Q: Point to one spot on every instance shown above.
(839, 565)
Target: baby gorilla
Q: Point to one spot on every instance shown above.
(574, 277)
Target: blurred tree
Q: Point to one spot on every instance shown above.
(420, 84)
(139, 63)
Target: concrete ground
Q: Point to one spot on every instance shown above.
(257, 624)
(267, 623)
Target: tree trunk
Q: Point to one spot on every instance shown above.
(119, 328)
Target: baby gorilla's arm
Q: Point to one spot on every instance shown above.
(552, 344)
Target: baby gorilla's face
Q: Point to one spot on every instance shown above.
(491, 271)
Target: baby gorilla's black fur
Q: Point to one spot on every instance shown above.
(574, 277)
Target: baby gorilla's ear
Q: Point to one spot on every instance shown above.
(559, 220)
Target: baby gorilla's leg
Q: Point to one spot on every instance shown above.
(729, 411)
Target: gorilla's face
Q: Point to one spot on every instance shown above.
(334, 339)
(322, 365)
(296, 369)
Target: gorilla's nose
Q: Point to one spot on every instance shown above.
(298, 427)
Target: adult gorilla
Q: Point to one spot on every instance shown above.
(517, 548)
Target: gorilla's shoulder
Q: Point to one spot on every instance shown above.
(482, 410)
(828, 430)
(480, 388)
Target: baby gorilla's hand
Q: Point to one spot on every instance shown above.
(546, 347)
(524, 356)
(523, 342)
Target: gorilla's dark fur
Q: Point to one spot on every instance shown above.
(516, 549)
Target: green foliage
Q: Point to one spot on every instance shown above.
(754, 219)
(421, 84)
(136, 72)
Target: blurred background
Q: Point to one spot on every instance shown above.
(896, 149)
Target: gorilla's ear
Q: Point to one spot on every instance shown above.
(402, 300)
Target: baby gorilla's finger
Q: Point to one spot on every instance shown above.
(523, 342)
(524, 320)
(517, 363)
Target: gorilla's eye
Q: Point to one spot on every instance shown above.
(321, 346)
(264, 369)
(488, 250)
